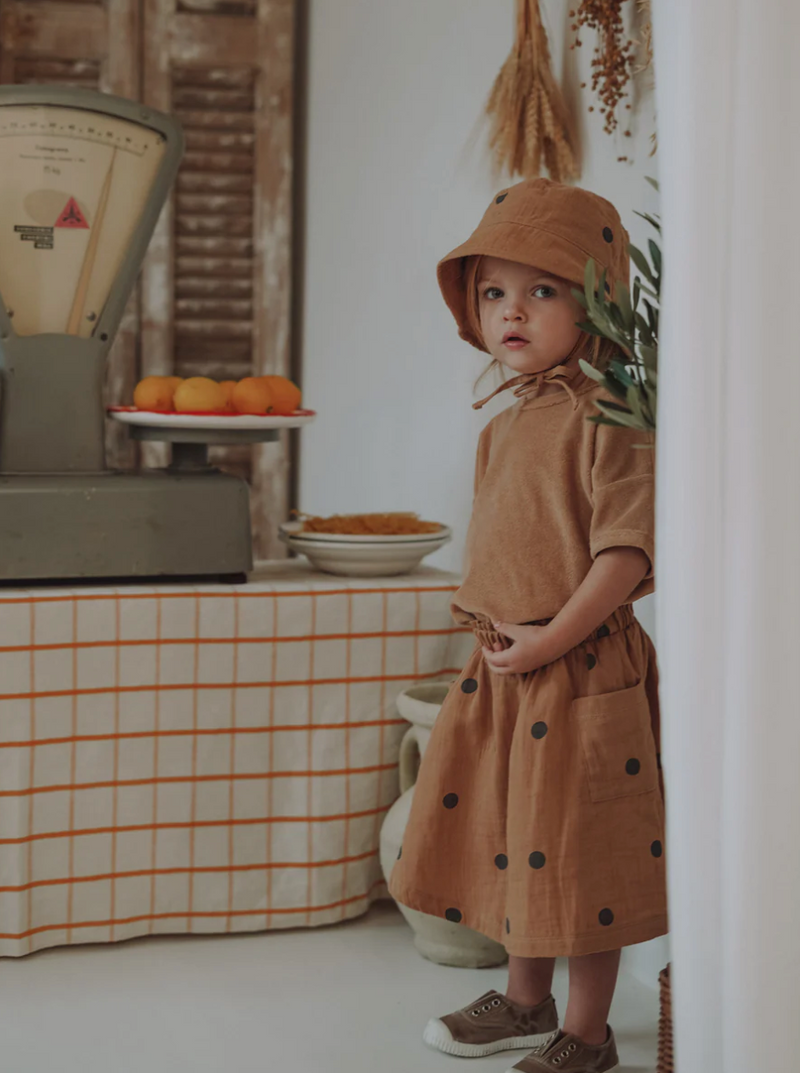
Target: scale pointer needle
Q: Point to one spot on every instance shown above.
(76, 314)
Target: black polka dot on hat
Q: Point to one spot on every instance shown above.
(606, 917)
(454, 915)
(604, 630)
(539, 730)
(633, 767)
(469, 685)
(508, 926)
(450, 800)
(501, 861)
(608, 234)
(591, 661)
(536, 860)
(499, 198)
(656, 848)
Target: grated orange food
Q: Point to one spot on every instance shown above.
(391, 524)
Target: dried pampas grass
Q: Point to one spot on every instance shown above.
(530, 121)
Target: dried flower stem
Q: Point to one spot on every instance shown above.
(530, 120)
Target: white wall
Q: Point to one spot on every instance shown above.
(398, 176)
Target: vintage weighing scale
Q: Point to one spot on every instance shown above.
(83, 179)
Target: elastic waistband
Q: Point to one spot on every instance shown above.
(620, 620)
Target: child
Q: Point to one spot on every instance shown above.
(538, 812)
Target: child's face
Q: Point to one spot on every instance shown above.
(527, 316)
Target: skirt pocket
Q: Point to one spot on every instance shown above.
(617, 742)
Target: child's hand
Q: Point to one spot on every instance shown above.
(532, 647)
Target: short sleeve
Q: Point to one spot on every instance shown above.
(623, 495)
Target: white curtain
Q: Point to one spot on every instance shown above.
(728, 514)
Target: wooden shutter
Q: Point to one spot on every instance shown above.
(217, 287)
(215, 297)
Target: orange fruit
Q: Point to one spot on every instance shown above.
(174, 382)
(228, 386)
(198, 394)
(153, 393)
(253, 395)
(286, 395)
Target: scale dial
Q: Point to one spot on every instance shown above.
(73, 186)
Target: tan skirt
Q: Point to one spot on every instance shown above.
(538, 814)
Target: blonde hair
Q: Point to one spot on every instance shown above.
(593, 348)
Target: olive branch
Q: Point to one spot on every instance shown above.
(632, 375)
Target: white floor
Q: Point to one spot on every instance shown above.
(346, 999)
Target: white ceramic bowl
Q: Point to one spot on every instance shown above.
(295, 529)
(378, 556)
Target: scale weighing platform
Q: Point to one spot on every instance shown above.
(83, 179)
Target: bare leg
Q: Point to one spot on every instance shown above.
(592, 979)
(529, 979)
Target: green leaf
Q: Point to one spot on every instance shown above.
(640, 261)
(653, 222)
(622, 416)
(651, 292)
(601, 289)
(655, 255)
(644, 329)
(585, 326)
(598, 419)
(622, 374)
(590, 370)
(625, 307)
(589, 283)
(579, 297)
(653, 183)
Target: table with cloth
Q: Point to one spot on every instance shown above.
(205, 758)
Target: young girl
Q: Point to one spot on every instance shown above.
(538, 812)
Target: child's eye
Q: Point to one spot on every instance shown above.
(492, 293)
(544, 287)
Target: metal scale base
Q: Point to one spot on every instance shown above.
(188, 520)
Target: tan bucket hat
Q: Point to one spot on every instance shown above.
(545, 224)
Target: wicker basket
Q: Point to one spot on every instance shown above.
(665, 1055)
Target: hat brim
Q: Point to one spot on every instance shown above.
(512, 240)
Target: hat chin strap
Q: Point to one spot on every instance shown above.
(527, 385)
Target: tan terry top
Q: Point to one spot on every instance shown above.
(552, 490)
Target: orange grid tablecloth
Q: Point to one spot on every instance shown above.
(205, 758)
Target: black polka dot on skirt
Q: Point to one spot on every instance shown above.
(606, 917)
(591, 661)
(450, 800)
(539, 730)
(500, 198)
(453, 915)
(508, 926)
(536, 860)
(633, 767)
(469, 685)
(656, 848)
(604, 631)
(608, 234)
(501, 861)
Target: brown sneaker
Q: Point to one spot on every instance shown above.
(566, 1053)
(492, 1023)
